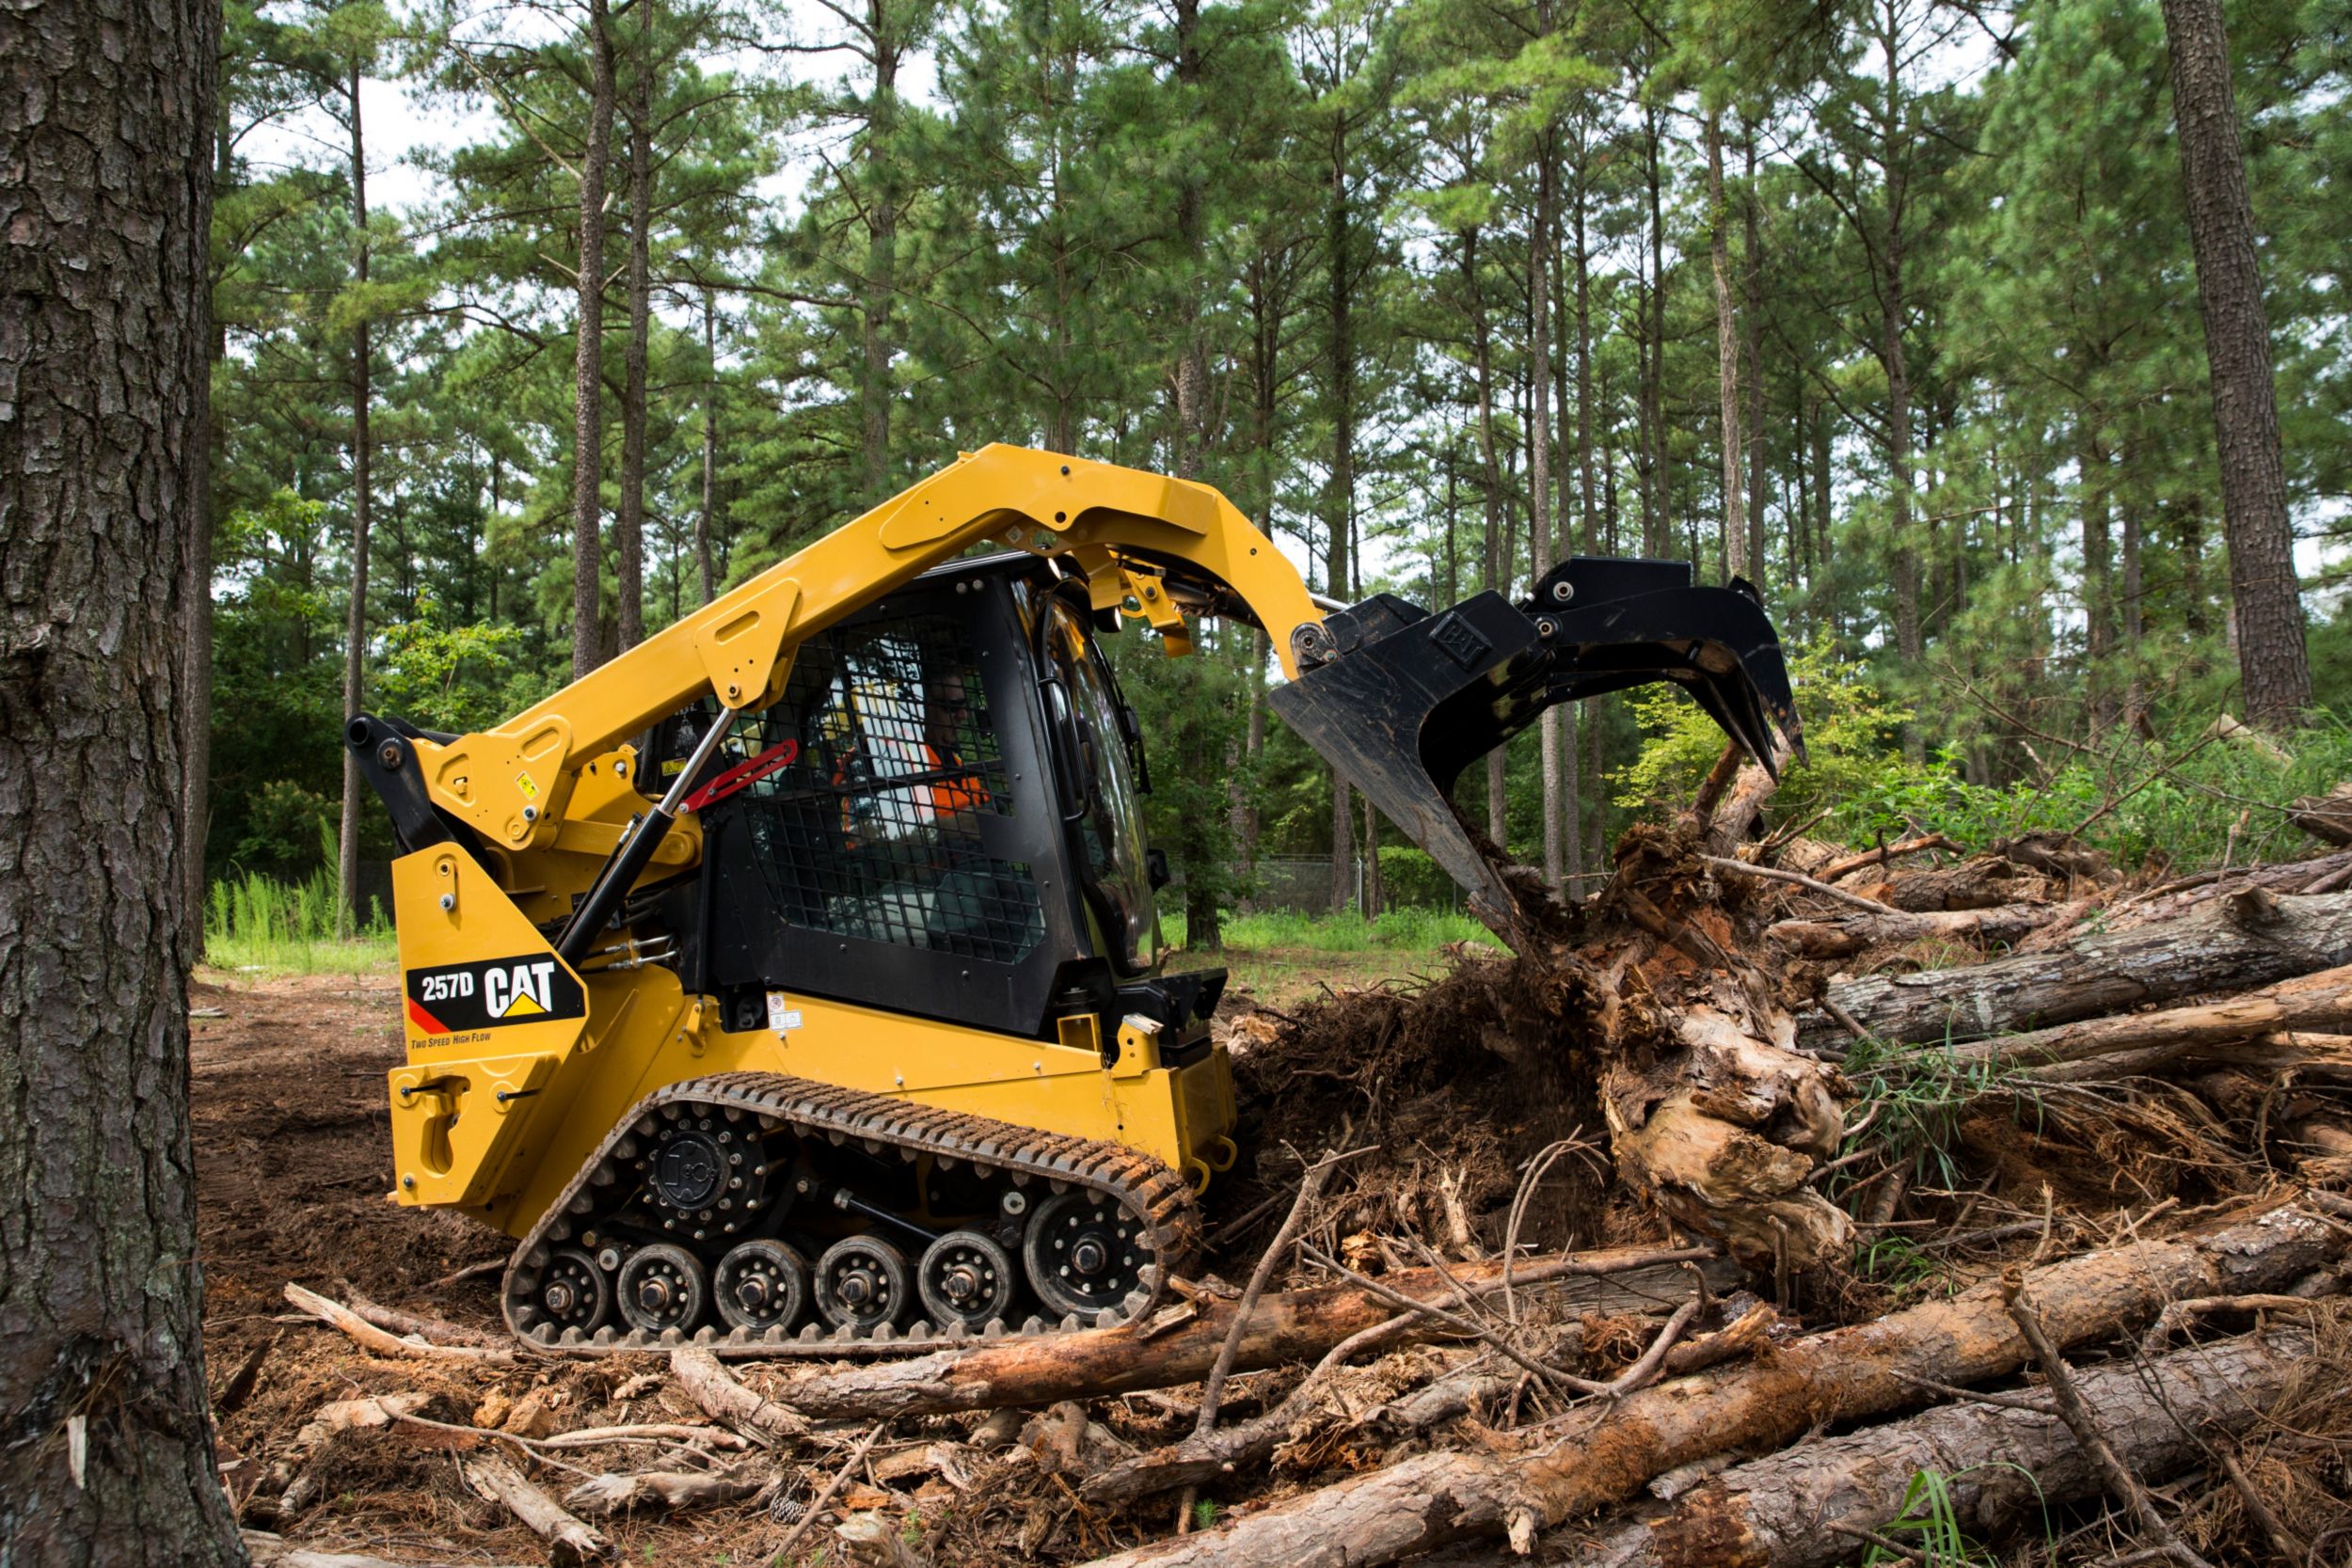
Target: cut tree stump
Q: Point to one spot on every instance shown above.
(2250, 938)
(1999, 1462)
(1295, 1325)
(1846, 1374)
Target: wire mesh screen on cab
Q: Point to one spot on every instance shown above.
(881, 767)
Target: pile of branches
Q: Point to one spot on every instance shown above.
(1780, 1205)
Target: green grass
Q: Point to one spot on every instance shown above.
(255, 924)
(1395, 932)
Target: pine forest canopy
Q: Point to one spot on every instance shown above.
(1913, 312)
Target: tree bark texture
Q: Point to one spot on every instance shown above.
(2320, 1002)
(2001, 1464)
(628, 520)
(1340, 489)
(356, 794)
(588, 357)
(1846, 1374)
(2272, 661)
(106, 1444)
(1735, 520)
(2226, 945)
(1290, 1326)
(704, 528)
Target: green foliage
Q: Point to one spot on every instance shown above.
(261, 923)
(1851, 735)
(1396, 930)
(285, 825)
(1928, 1513)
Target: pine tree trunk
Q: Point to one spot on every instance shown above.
(879, 289)
(1490, 483)
(1735, 515)
(347, 908)
(1340, 499)
(1909, 642)
(628, 523)
(1539, 467)
(588, 359)
(1656, 533)
(704, 524)
(2091, 458)
(196, 722)
(1752, 355)
(2272, 661)
(107, 1457)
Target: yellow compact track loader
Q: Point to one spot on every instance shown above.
(789, 982)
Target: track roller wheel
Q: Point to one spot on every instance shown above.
(760, 1284)
(661, 1287)
(573, 1291)
(862, 1283)
(1085, 1253)
(967, 1279)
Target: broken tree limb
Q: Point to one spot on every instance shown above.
(1845, 1374)
(723, 1399)
(432, 1331)
(276, 1551)
(2090, 1435)
(2227, 945)
(570, 1542)
(384, 1342)
(1293, 1325)
(1852, 863)
(1999, 1462)
(609, 1494)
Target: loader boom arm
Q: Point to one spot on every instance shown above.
(1396, 698)
(511, 784)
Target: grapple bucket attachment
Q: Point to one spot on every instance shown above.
(1399, 701)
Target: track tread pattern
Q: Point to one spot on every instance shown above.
(1143, 1185)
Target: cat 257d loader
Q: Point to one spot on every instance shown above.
(789, 982)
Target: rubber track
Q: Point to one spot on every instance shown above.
(1143, 1185)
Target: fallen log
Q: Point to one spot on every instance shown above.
(1845, 1374)
(2248, 939)
(1802, 1509)
(1295, 1325)
(723, 1399)
(1850, 930)
(570, 1542)
(604, 1497)
(2170, 900)
(2321, 1003)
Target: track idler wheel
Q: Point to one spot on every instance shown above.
(759, 1286)
(1085, 1253)
(661, 1287)
(967, 1279)
(573, 1292)
(861, 1284)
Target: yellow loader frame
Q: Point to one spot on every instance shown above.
(497, 1119)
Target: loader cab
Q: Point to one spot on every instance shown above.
(942, 816)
